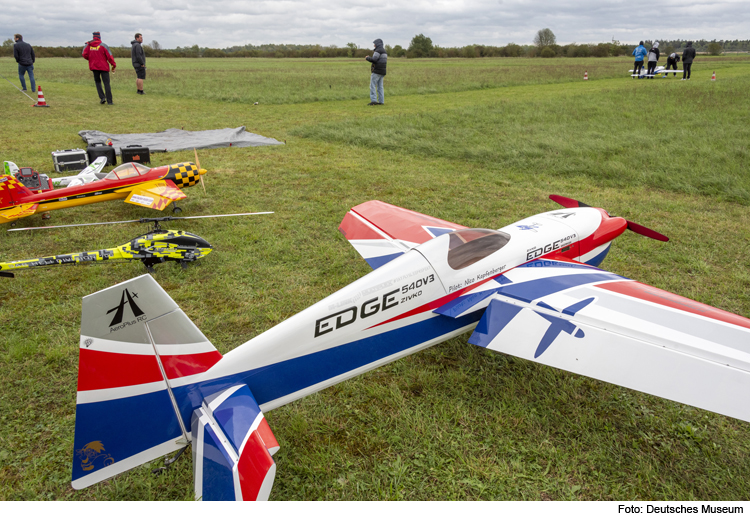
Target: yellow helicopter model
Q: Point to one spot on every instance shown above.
(157, 246)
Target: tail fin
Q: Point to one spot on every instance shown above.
(11, 188)
(135, 344)
(142, 393)
(11, 191)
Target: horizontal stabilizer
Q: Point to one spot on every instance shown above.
(18, 212)
(232, 448)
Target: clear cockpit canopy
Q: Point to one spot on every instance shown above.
(469, 246)
(127, 170)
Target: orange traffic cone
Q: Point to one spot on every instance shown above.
(586, 75)
(713, 77)
(40, 98)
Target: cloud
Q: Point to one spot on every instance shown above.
(225, 23)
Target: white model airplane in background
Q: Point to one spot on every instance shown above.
(84, 177)
(659, 70)
(89, 174)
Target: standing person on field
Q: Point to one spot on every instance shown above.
(379, 59)
(138, 57)
(639, 53)
(24, 54)
(688, 54)
(99, 57)
(672, 61)
(653, 58)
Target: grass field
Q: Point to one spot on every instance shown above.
(477, 142)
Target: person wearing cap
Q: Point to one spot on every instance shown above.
(138, 57)
(99, 57)
(653, 58)
(672, 61)
(688, 54)
(379, 60)
(639, 53)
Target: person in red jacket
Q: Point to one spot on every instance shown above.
(99, 57)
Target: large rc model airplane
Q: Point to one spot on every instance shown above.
(150, 382)
(132, 182)
(658, 71)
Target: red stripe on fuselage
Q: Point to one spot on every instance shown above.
(432, 305)
(154, 175)
(662, 297)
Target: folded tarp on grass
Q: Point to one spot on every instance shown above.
(180, 140)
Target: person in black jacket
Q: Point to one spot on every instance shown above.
(688, 54)
(379, 60)
(672, 61)
(24, 55)
(138, 57)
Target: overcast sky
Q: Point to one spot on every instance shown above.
(224, 23)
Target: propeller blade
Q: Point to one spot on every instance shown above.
(632, 226)
(203, 184)
(568, 202)
(646, 232)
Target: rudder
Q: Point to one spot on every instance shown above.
(134, 341)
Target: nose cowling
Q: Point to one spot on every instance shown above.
(185, 174)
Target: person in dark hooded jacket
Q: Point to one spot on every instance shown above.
(379, 59)
(688, 54)
(24, 55)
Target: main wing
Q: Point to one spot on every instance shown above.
(595, 323)
(154, 195)
(381, 232)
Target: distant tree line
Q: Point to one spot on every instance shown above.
(545, 45)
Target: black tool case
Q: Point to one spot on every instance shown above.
(95, 150)
(70, 160)
(135, 153)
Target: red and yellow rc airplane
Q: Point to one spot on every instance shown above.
(132, 182)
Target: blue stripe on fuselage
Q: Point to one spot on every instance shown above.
(284, 378)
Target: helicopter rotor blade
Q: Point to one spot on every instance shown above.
(225, 215)
(76, 225)
(197, 162)
(142, 220)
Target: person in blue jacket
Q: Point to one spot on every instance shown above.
(640, 53)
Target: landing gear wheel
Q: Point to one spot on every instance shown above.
(176, 210)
